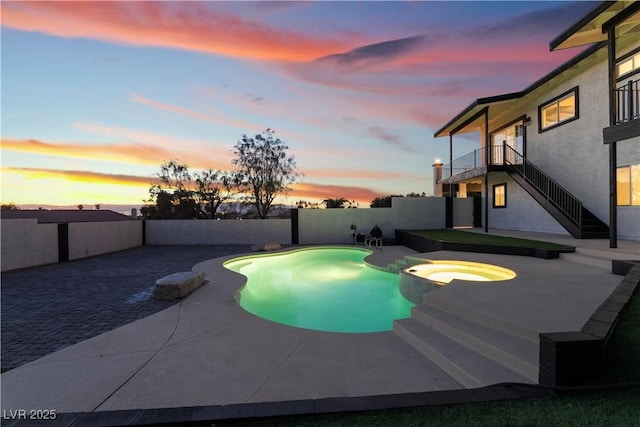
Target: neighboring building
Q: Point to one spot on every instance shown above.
(563, 155)
(62, 216)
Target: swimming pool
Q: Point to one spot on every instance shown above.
(323, 288)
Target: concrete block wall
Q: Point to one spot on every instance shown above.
(320, 226)
(210, 232)
(26, 243)
(94, 238)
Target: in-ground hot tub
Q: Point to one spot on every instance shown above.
(415, 281)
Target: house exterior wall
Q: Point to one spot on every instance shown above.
(26, 243)
(573, 154)
(629, 216)
(522, 211)
(94, 238)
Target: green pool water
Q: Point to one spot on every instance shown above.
(326, 289)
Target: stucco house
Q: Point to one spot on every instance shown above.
(562, 155)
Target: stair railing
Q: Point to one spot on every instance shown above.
(554, 192)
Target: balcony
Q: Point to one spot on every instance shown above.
(626, 115)
(627, 99)
(474, 164)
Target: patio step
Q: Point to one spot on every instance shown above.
(592, 261)
(517, 353)
(463, 364)
(431, 300)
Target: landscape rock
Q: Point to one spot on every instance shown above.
(272, 246)
(177, 285)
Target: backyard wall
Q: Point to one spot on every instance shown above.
(210, 232)
(94, 238)
(319, 226)
(26, 243)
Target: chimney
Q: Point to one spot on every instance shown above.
(437, 176)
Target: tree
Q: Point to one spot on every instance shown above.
(382, 202)
(80, 207)
(263, 168)
(174, 193)
(337, 203)
(9, 207)
(214, 188)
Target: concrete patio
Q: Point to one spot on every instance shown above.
(206, 350)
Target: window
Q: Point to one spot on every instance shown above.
(628, 65)
(559, 110)
(628, 185)
(500, 196)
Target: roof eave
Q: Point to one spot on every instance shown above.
(560, 41)
(480, 102)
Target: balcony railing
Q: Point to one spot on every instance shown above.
(627, 99)
(473, 160)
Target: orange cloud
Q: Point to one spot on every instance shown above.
(323, 191)
(83, 176)
(184, 25)
(133, 153)
(299, 190)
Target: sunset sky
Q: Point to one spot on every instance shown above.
(96, 95)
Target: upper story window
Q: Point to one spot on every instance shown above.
(628, 65)
(559, 110)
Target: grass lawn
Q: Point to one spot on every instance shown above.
(617, 408)
(614, 407)
(457, 236)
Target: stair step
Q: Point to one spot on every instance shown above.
(608, 255)
(514, 352)
(464, 365)
(430, 300)
(393, 268)
(587, 260)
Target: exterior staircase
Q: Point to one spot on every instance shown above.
(560, 203)
(474, 349)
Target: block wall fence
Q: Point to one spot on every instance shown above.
(26, 243)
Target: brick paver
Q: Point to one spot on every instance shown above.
(46, 308)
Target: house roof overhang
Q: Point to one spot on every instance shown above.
(502, 107)
(592, 27)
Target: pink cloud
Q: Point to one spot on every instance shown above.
(183, 25)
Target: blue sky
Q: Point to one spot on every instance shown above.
(95, 96)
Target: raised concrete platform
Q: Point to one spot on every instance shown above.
(235, 357)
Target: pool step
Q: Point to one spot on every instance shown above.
(406, 262)
(466, 366)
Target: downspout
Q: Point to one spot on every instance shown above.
(487, 144)
(613, 154)
(450, 164)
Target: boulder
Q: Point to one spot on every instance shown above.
(272, 246)
(177, 285)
